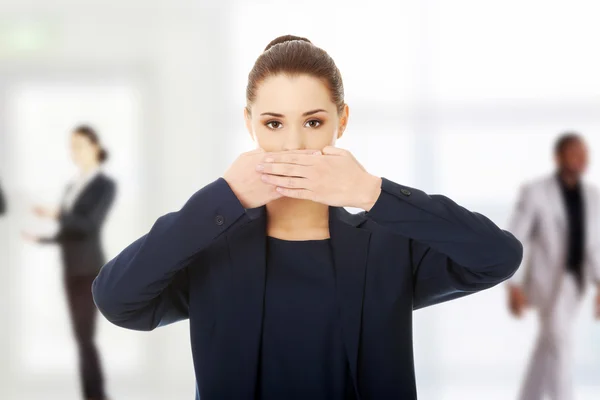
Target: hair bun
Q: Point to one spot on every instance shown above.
(285, 38)
(102, 155)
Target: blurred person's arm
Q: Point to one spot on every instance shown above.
(76, 225)
(2, 202)
(522, 224)
(455, 252)
(593, 254)
(146, 285)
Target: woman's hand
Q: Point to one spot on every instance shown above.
(331, 177)
(30, 237)
(46, 212)
(245, 182)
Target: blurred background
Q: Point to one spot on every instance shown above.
(463, 98)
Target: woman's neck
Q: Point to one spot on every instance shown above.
(87, 168)
(294, 219)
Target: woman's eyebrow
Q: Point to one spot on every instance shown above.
(306, 114)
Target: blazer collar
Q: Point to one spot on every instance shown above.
(335, 214)
(88, 184)
(242, 320)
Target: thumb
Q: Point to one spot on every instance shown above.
(330, 150)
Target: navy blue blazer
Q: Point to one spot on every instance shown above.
(206, 262)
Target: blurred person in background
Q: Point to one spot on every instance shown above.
(2, 202)
(289, 296)
(86, 202)
(556, 218)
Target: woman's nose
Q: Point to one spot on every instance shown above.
(294, 140)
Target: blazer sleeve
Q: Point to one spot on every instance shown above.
(522, 225)
(2, 202)
(145, 286)
(593, 251)
(454, 252)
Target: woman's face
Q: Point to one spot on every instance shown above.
(83, 151)
(294, 113)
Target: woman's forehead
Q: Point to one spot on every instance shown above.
(292, 95)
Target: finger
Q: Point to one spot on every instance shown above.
(304, 151)
(335, 151)
(285, 181)
(294, 170)
(303, 194)
(274, 194)
(290, 158)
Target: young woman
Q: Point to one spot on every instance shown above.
(288, 295)
(84, 208)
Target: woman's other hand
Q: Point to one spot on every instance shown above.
(30, 237)
(333, 177)
(46, 212)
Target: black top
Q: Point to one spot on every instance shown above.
(302, 353)
(574, 206)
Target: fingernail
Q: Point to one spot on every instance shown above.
(260, 167)
(269, 159)
(316, 153)
(279, 189)
(264, 178)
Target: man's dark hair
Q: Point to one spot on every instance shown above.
(565, 140)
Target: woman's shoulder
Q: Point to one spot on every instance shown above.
(106, 180)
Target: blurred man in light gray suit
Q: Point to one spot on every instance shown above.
(556, 218)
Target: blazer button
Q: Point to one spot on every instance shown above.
(405, 192)
(219, 220)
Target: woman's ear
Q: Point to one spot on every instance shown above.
(248, 120)
(343, 120)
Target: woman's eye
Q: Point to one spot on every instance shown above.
(314, 123)
(274, 124)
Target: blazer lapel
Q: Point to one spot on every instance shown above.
(243, 315)
(557, 202)
(87, 189)
(350, 250)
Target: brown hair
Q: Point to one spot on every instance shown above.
(294, 55)
(92, 136)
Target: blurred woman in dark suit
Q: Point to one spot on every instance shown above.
(81, 215)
